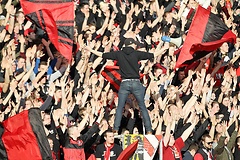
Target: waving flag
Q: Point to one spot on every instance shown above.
(23, 137)
(128, 151)
(56, 18)
(207, 32)
(146, 147)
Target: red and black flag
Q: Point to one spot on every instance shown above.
(23, 137)
(56, 18)
(207, 32)
(112, 74)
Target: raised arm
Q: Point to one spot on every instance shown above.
(97, 53)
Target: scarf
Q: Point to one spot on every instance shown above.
(107, 153)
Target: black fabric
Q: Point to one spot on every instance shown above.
(215, 29)
(128, 61)
(204, 155)
(114, 153)
(35, 120)
(112, 74)
(3, 153)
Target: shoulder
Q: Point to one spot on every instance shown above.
(179, 142)
(198, 156)
(100, 147)
(117, 147)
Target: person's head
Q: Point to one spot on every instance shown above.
(31, 36)
(110, 94)
(171, 49)
(92, 28)
(226, 101)
(20, 17)
(192, 4)
(215, 107)
(171, 91)
(84, 7)
(2, 20)
(109, 137)
(181, 74)
(219, 127)
(16, 28)
(88, 35)
(46, 119)
(125, 131)
(28, 103)
(35, 94)
(217, 137)
(168, 16)
(20, 62)
(82, 111)
(224, 48)
(130, 42)
(172, 29)
(193, 149)
(42, 66)
(207, 141)
(157, 72)
(58, 93)
(135, 130)
(238, 142)
(73, 132)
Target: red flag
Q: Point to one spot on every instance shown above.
(56, 18)
(112, 74)
(23, 137)
(128, 152)
(206, 33)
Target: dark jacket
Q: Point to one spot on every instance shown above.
(202, 153)
(128, 59)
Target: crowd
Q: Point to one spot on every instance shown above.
(195, 109)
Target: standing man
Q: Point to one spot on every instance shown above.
(108, 150)
(128, 59)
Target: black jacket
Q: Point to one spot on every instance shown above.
(128, 59)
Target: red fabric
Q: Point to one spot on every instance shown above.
(73, 154)
(92, 157)
(19, 139)
(238, 71)
(193, 42)
(198, 156)
(52, 16)
(159, 66)
(167, 152)
(128, 152)
(54, 156)
(107, 153)
(218, 76)
(28, 31)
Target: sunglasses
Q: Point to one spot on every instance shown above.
(209, 143)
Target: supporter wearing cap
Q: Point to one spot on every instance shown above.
(128, 59)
